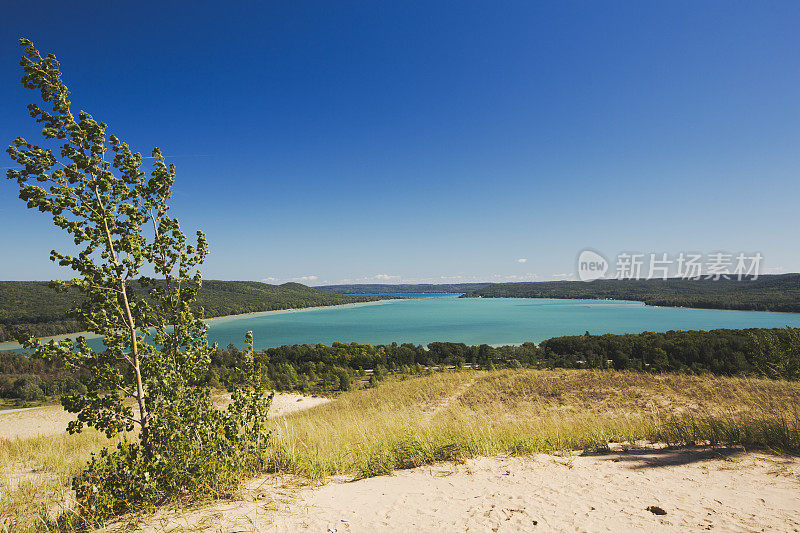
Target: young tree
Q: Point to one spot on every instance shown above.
(156, 351)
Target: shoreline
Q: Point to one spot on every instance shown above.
(14, 345)
(228, 318)
(645, 304)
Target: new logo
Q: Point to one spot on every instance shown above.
(591, 265)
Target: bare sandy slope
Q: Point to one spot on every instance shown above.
(53, 420)
(719, 490)
(33, 422)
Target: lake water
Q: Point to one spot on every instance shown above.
(473, 321)
(477, 321)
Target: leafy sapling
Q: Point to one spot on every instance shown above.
(150, 375)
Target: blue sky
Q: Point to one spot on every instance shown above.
(434, 141)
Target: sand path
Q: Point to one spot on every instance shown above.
(722, 490)
(448, 401)
(52, 420)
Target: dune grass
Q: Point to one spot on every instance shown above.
(36, 475)
(463, 414)
(452, 416)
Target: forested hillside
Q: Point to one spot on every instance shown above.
(412, 288)
(766, 293)
(34, 306)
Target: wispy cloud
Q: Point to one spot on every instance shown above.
(446, 278)
(301, 279)
(384, 278)
(530, 276)
(376, 278)
(441, 279)
(391, 278)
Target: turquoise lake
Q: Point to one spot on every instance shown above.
(476, 321)
(495, 321)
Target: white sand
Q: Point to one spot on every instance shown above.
(698, 489)
(286, 402)
(53, 420)
(34, 422)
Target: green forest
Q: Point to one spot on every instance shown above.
(765, 293)
(35, 307)
(322, 369)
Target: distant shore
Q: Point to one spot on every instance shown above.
(228, 318)
(13, 345)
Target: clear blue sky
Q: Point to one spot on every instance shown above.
(434, 141)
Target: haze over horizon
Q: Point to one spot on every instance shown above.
(433, 143)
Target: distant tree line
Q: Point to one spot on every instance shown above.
(31, 379)
(769, 352)
(773, 353)
(322, 369)
(403, 288)
(765, 293)
(34, 307)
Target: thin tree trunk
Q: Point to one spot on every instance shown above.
(131, 324)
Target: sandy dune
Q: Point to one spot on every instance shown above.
(33, 422)
(52, 420)
(720, 490)
(698, 489)
(286, 402)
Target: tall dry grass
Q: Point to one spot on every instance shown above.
(454, 415)
(461, 414)
(36, 475)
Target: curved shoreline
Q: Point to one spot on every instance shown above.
(625, 300)
(13, 345)
(554, 302)
(228, 318)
